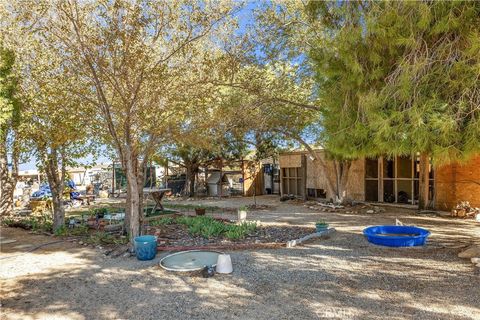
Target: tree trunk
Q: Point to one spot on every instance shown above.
(190, 179)
(55, 181)
(58, 207)
(141, 172)
(423, 202)
(128, 206)
(133, 188)
(7, 181)
(342, 170)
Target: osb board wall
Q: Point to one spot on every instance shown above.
(253, 179)
(458, 182)
(290, 160)
(316, 177)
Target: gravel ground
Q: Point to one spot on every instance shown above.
(343, 277)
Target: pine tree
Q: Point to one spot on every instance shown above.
(398, 78)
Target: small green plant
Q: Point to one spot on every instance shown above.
(209, 227)
(104, 238)
(163, 221)
(61, 231)
(80, 230)
(239, 231)
(8, 222)
(234, 234)
(321, 223)
(243, 208)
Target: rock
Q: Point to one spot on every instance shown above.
(475, 260)
(80, 242)
(472, 252)
(370, 211)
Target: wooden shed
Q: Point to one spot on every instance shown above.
(390, 180)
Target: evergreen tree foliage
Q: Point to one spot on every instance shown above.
(399, 77)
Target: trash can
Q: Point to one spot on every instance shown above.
(145, 247)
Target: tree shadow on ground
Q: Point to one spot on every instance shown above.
(342, 277)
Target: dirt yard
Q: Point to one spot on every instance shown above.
(343, 277)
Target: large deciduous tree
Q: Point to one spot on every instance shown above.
(55, 122)
(10, 144)
(139, 63)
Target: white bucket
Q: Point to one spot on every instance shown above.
(224, 264)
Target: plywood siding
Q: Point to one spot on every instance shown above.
(253, 179)
(458, 182)
(356, 181)
(317, 178)
(290, 160)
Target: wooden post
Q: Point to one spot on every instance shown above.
(281, 181)
(423, 181)
(221, 178)
(243, 178)
(113, 178)
(304, 177)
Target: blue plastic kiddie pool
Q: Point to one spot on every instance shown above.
(396, 236)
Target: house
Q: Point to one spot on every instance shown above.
(385, 180)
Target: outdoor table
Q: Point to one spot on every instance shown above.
(157, 196)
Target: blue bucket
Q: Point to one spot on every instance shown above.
(145, 247)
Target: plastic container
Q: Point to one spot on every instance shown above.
(396, 236)
(145, 247)
(321, 227)
(224, 264)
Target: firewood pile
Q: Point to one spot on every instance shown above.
(465, 210)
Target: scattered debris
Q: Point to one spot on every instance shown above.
(465, 210)
(470, 252)
(330, 205)
(348, 208)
